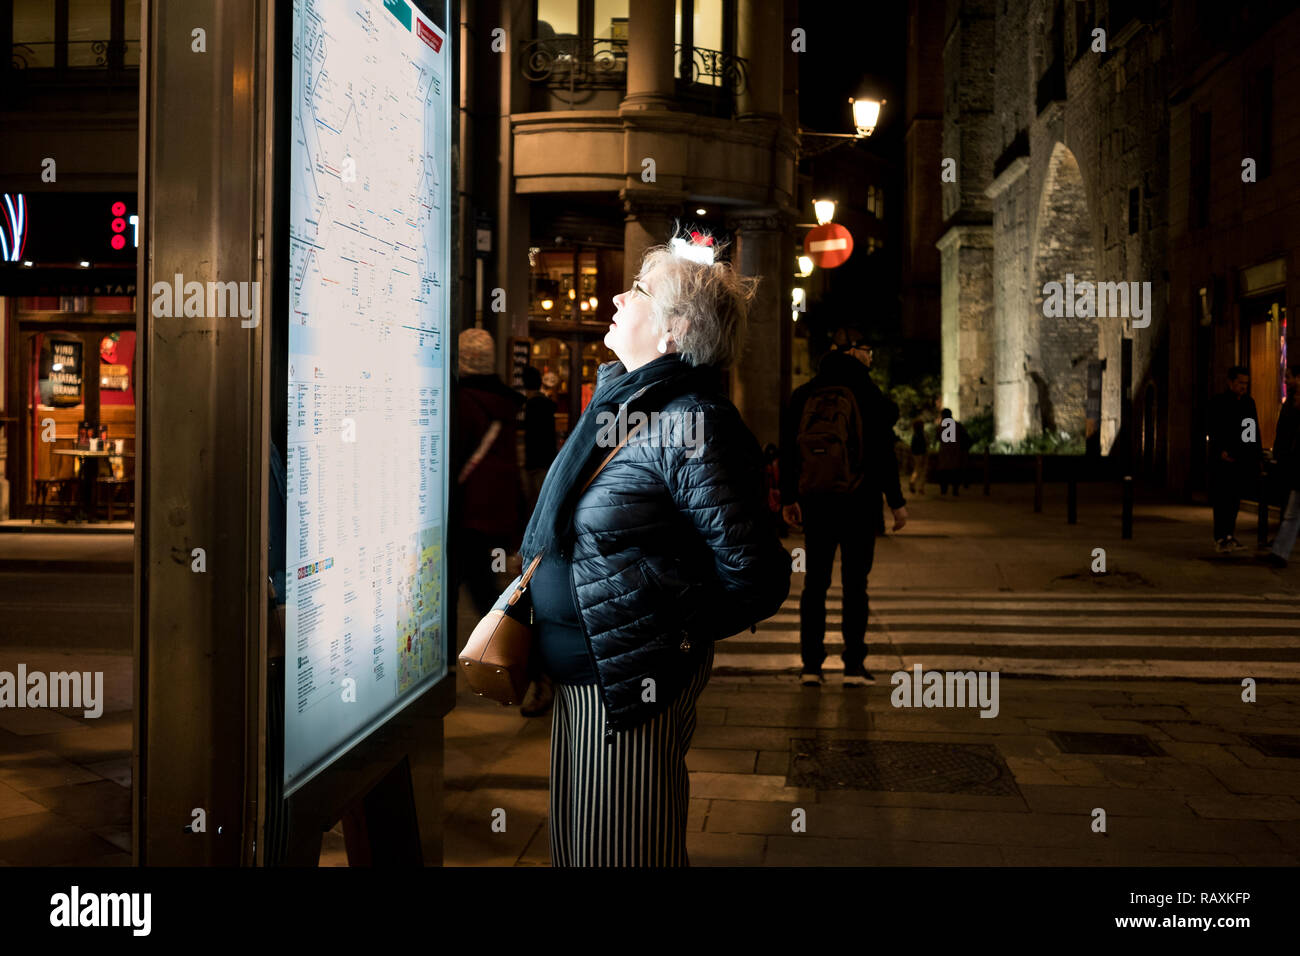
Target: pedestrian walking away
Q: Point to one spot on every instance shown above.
(1286, 457)
(1234, 455)
(954, 443)
(487, 498)
(920, 451)
(838, 458)
(670, 548)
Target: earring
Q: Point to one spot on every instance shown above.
(663, 343)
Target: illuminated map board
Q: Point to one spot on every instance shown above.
(365, 448)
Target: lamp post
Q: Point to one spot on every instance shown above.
(866, 116)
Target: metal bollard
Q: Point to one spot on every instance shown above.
(1038, 484)
(1128, 508)
(1072, 501)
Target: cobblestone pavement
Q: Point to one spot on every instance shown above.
(1158, 648)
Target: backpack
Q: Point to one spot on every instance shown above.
(830, 442)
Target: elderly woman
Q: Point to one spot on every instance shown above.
(670, 548)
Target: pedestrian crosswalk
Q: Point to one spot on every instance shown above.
(1067, 634)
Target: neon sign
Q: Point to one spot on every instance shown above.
(13, 231)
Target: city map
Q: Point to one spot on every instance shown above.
(368, 261)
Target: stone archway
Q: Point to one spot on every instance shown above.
(1058, 347)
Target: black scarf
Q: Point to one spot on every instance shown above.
(663, 379)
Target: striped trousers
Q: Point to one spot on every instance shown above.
(622, 803)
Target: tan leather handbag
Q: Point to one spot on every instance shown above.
(495, 659)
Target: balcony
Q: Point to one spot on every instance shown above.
(91, 75)
(574, 70)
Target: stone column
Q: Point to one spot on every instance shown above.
(649, 222)
(966, 267)
(763, 48)
(650, 55)
(761, 235)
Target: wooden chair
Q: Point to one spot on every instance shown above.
(59, 490)
(108, 488)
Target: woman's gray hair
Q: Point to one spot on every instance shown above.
(704, 306)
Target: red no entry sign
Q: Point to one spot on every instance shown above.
(828, 245)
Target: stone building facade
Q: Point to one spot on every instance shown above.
(1061, 150)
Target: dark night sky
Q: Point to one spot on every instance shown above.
(854, 46)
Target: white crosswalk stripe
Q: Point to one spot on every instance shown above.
(1135, 634)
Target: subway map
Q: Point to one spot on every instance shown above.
(368, 267)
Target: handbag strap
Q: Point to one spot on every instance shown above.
(532, 566)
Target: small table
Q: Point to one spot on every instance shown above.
(89, 475)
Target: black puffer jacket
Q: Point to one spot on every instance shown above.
(674, 548)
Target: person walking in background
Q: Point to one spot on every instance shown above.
(640, 569)
(1234, 455)
(539, 435)
(1286, 454)
(920, 449)
(486, 498)
(837, 458)
(954, 442)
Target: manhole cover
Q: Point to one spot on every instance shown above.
(1130, 745)
(899, 765)
(1274, 745)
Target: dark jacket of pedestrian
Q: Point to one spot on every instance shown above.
(1226, 414)
(672, 546)
(1286, 445)
(878, 415)
(488, 500)
(953, 454)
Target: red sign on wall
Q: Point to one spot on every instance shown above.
(829, 245)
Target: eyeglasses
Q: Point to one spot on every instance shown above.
(639, 289)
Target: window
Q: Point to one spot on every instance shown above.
(33, 34)
(1259, 121)
(88, 32)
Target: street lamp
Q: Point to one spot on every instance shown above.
(866, 116)
(547, 305)
(805, 267)
(824, 209)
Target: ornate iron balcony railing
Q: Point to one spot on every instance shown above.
(580, 63)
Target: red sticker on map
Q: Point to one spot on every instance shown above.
(427, 35)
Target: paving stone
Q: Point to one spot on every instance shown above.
(95, 804)
(1212, 806)
(1258, 780)
(1109, 853)
(700, 760)
(775, 762)
(1137, 712)
(15, 804)
(38, 769)
(1082, 800)
(1253, 758)
(803, 850)
(29, 722)
(1194, 731)
(1115, 726)
(46, 839)
(917, 798)
(733, 786)
(1202, 753)
(725, 849)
